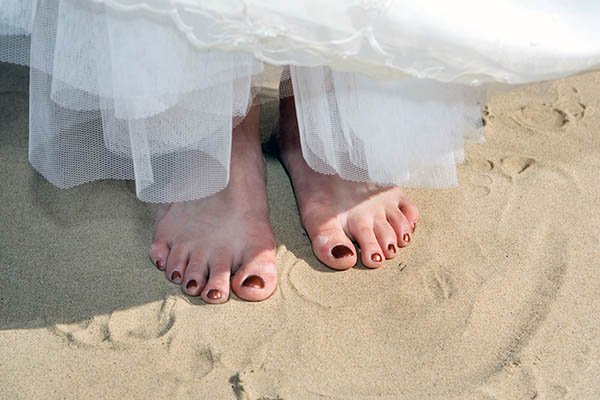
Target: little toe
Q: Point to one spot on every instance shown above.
(387, 239)
(176, 263)
(401, 226)
(195, 276)
(256, 279)
(159, 252)
(371, 254)
(411, 212)
(216, 290)
(333, 248)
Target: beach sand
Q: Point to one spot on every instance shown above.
(498, 296)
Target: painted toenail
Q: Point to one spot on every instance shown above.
(214, 294)
(341, 251)
(392, 248)
(254, 281)
(160, 264)
(376, 257)
(175, 275)
(414, 226)
(191, 284)
(406, 238)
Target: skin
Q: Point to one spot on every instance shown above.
(225, 242)
(335, 212)
(216, 244)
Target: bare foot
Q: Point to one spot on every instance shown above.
(200, 244)
(336, 212)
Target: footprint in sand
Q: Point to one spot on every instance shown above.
(483, 173)
(481, 185)
(134, 325)
(479, 176)
(556, 117)
(542, 118)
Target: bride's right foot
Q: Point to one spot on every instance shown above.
(200, 244)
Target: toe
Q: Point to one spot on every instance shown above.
(331, 245)
(196, 274)
(256, 279)
(386, 237)
(176, 263)
(216, 290)
(371, 254)
(159, 252)
(411, 212)
(401, 226)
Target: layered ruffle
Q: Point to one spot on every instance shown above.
(152, 90)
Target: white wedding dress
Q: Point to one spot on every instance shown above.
(386, 91)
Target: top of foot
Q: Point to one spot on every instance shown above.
(224, 241)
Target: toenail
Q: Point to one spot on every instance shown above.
(406, 238)
(341, 251)
(160, 264)
(191, 284)
(376, 257)
(254, 281)
(414, 226)
(175, 275)
(392, 248)
(214, 294)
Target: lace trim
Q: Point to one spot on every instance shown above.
(240, 31)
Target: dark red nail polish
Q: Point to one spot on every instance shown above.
(392, 248)
(214, 294)
(175, 276)
(191, 284)
(341, 251)
(414, 226)
(254, 281)
(160, 264)
(376, 257)
(406, 238)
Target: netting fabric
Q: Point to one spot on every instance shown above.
(151, 91)
(407, 132)
(16, 19)
(125, 98)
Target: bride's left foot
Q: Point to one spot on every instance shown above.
(336, 212)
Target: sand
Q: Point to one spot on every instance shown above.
(496, 298)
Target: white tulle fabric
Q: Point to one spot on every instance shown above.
(124, 97)
(16, 18)
(151, 90)
(512, 41)
(408, 132)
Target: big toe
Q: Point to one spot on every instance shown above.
(256, 279)
(334, 248)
